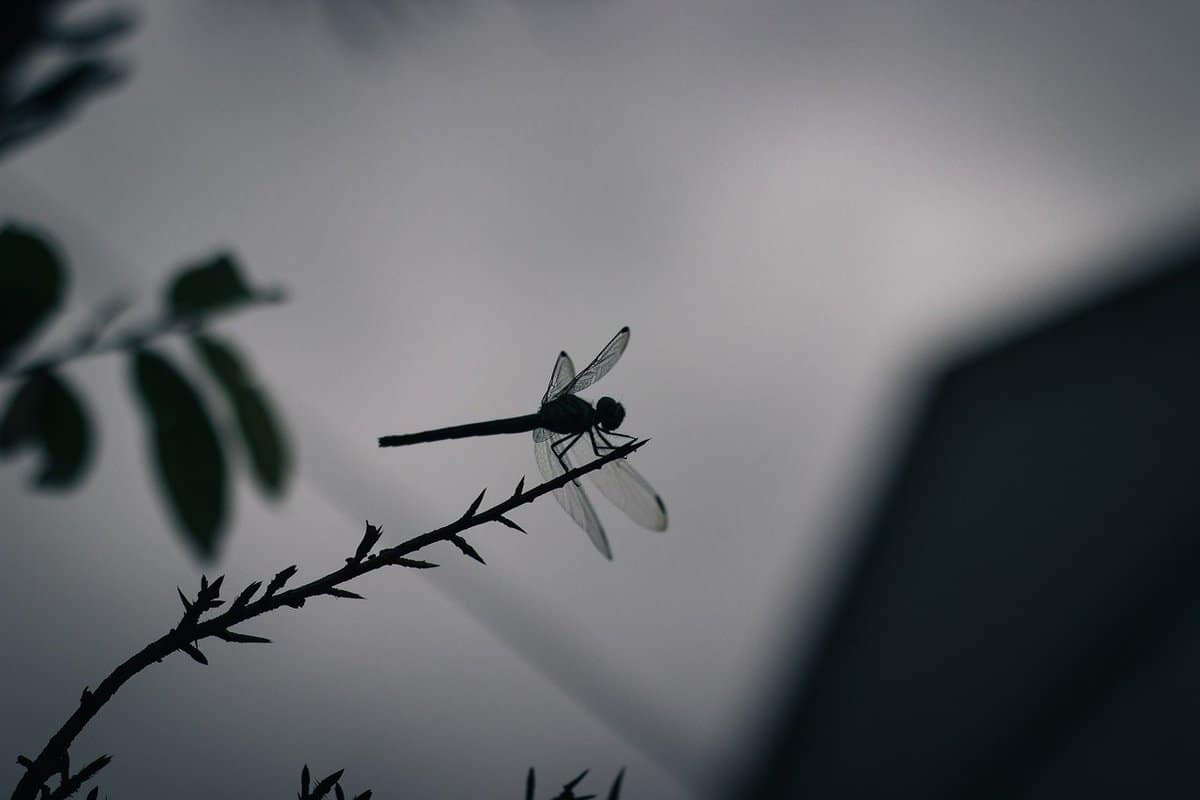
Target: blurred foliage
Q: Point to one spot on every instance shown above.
(33, 32)
(32, 285)
(44, 413)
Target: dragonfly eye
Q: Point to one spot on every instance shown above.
(609, 413)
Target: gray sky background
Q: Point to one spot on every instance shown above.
(793, 205)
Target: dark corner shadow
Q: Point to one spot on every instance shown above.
(1023, 617)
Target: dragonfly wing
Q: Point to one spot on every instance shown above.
(560, 378)
(571, 496)
(630, 492)
(601, 364)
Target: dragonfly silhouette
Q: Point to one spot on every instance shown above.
(561, 422)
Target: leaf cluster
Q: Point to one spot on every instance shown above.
(45, 412)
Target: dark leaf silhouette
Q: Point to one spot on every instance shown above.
(44, 413)
(191, 465)
(260, 427)
(32, 285)
(214, 285)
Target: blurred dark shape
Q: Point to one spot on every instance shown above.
(46, 414)
(43, 412)
(1024, 617)
(33, 283)
(34, 29)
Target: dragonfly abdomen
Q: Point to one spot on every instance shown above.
(522, 424)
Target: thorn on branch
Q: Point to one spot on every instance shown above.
(370, 537)
(467, 550)
(520, 487)
(194, 652)
(333, 591)
(475, 505)
(415, 563)
(326, 784)
(25, 762)
(506, 521)
(241, 638)
(243, 599)
(72, 784)
(279, 580)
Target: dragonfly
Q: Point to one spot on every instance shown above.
(560, 426)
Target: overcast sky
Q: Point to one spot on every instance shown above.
(795, 206)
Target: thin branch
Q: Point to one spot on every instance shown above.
(192, 629)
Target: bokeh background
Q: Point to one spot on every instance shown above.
(795, 206)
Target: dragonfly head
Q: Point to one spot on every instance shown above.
(609, 413)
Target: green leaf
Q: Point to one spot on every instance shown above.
(213, 285)
(261, 430)
(188, 456)
(45, 413)
(32, 285)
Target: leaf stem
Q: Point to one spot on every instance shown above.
(88, 343)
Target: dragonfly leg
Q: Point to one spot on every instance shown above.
(560, 447)
(608, 445)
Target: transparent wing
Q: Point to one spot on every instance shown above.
(560, 378)
(601, 364)
(571, 496)
(630, 492)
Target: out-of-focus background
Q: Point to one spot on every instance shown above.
(794, 206)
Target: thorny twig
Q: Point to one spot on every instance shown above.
(192, 629)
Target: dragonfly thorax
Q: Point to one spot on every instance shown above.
(572, 414)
